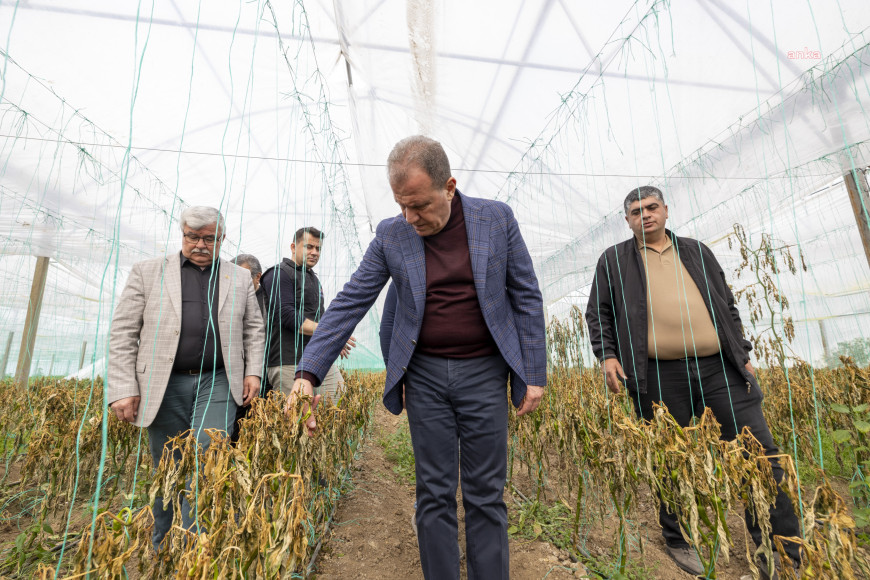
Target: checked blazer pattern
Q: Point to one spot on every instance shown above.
(504, 278)
(146, 325)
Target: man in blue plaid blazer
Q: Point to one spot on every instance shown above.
(469, 316)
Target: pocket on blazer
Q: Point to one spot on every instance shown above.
(140, 368)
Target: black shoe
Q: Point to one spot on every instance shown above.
(686, 559)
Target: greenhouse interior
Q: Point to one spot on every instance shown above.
(752, 120)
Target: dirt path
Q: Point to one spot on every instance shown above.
(372, 536)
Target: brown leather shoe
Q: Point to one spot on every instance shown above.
(687, 559)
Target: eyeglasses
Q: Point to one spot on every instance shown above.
(194, 239)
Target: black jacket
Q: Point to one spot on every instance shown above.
(292, 294)
(617, 318)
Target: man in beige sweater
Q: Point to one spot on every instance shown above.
(662, 320)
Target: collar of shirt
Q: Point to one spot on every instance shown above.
(185, 261)
(641, 245)
(293, 264)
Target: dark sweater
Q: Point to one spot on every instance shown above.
(453, 324)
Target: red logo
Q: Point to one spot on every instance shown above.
(805, 54)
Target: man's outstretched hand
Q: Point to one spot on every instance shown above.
(304, 387)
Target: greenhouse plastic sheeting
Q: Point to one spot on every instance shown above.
(117, 115)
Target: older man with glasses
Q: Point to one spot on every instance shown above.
(186, 345)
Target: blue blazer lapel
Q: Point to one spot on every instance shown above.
(477, 226)
(415, 265)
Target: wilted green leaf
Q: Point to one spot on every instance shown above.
(841, 435)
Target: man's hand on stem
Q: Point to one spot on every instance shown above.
(304, 387)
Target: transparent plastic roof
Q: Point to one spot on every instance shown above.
(115, 115)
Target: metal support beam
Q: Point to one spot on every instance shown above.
(34, 307)
(856, 185)
(6, 355)
(82, 357)
(51, 366)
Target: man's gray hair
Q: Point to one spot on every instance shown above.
(201, 216)
(640, 193)
(250, 261)
(425, 153)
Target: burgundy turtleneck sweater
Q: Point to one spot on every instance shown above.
(453, 324)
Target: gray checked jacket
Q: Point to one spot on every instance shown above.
(146, 325)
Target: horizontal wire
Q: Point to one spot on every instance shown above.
(83, 144)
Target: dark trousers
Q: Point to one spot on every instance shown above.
(457, 413)
(196, 402)
(686, 386)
